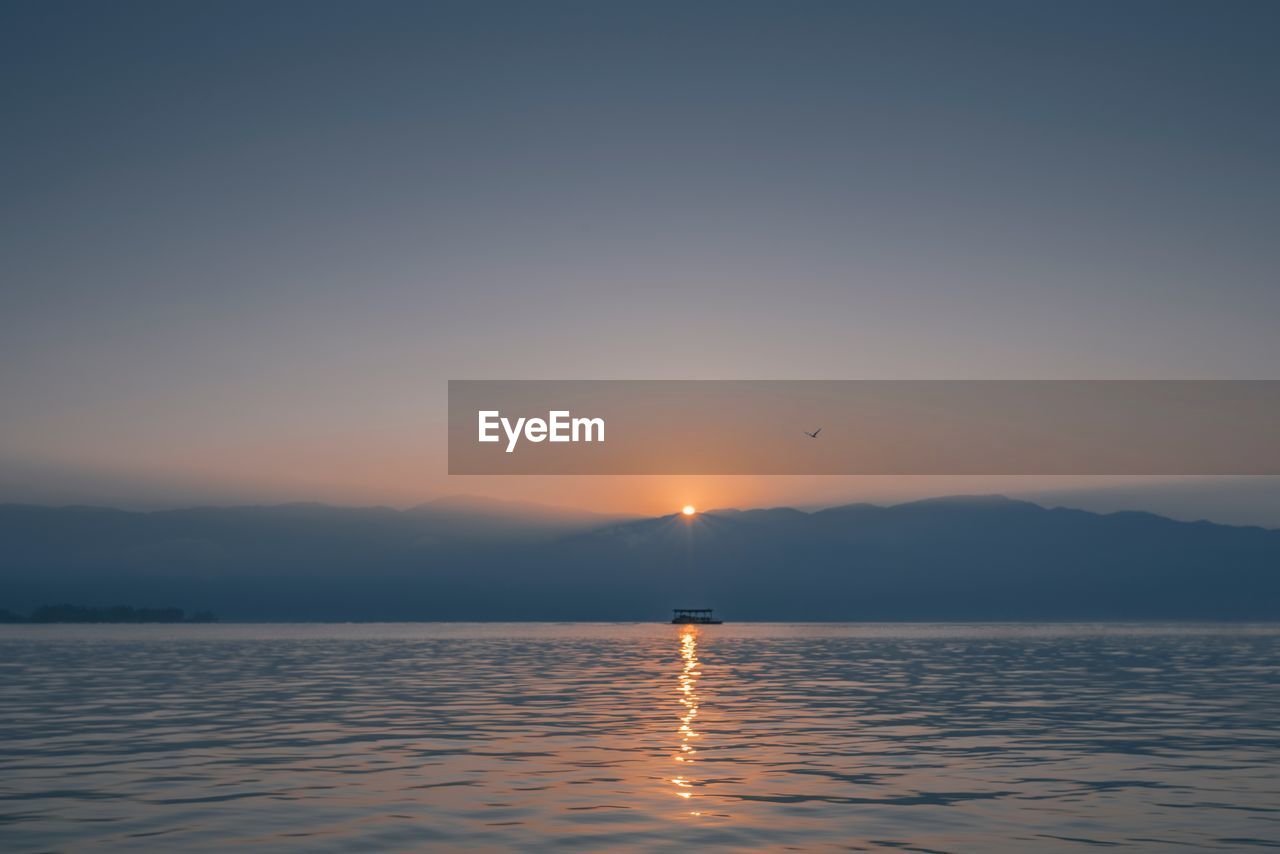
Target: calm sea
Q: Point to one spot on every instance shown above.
(642, 737)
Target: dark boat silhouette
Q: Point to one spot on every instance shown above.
(694, 617)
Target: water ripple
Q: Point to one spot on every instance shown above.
(600, 736)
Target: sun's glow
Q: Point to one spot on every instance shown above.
(688, 510)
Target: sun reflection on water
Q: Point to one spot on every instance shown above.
(689, 674)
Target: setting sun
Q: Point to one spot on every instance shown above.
(689, 510)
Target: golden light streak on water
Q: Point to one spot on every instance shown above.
(689, 674)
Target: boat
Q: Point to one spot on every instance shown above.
(694, 617)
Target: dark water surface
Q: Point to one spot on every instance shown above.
(642, 737)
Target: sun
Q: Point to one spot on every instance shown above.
(688, 510)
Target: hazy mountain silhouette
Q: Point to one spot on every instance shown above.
(950, 558)
(491, 516)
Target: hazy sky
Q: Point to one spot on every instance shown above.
(244, 245)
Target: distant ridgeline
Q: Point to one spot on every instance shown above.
(114, 614)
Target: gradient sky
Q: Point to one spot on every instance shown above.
(244, 245)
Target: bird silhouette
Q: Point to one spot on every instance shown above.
(814, 434)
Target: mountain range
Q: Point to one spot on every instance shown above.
(955, 558)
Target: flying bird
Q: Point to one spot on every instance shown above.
(814, 434)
